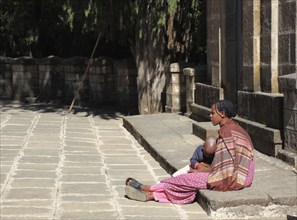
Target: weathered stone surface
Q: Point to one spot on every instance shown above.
(288, 81)
(206, 95)
(250, 106)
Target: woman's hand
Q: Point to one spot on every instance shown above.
(193, 171)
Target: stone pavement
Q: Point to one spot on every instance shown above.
(73, 166)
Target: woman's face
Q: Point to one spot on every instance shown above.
(214, 116)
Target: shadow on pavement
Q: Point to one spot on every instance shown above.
(104, 112)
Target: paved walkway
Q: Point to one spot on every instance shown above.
(73, 166)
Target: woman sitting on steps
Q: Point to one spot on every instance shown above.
(232, 167)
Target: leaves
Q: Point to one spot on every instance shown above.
(69, 28)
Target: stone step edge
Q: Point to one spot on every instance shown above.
(144, 143)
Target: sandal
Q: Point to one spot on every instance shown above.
(135, 194)
(134, 183)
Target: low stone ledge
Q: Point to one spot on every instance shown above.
(288, 157)
(199, 112)
(204, 129)
(288, 81)
(265, 139)
(213, 200)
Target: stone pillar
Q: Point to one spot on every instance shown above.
(251, 45)
(6, 87)
(269, 45)
(176, 88)
(25, 79)
(193, 75)
(51, 78)
(274, 45)
(228, 46)
(289, 88)
(214, 46)
(287, 63)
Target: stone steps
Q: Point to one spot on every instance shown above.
(168, 138)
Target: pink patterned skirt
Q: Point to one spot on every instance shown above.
(181, 189)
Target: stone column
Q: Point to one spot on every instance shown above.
(193, 75)
(287, 35)
(269, 45)
(251, 45)
(214, 42)
(176, 88)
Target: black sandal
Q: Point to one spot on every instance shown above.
(134, 183)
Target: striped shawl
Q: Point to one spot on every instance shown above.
(232, 158)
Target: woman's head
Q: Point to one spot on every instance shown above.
(222, 110)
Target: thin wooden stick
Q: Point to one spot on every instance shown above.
(85, 74)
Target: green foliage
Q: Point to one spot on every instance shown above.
(69, 28)
(172, 6)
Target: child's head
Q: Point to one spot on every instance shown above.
(210, 146)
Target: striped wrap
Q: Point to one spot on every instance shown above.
(230, 166)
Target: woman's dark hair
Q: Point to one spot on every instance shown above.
(227, 107)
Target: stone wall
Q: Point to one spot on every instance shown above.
(53, 79)
(289, 87)
(5, 77)
(265, 48)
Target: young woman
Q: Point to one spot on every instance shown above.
(232, 167)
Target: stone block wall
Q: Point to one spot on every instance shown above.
(206, 95)
(127, 98)
(253, 106)
(73, 73)
(267, 37)
(25, 78)
(5, 77)
(53, 79)
(288, 85)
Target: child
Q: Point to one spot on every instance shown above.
(202, 156)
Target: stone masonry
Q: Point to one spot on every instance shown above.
(260, 36)
(265, 47)
(53, 79)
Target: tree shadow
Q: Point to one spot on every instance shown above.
(104, 112)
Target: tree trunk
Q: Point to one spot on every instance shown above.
(150, 60)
